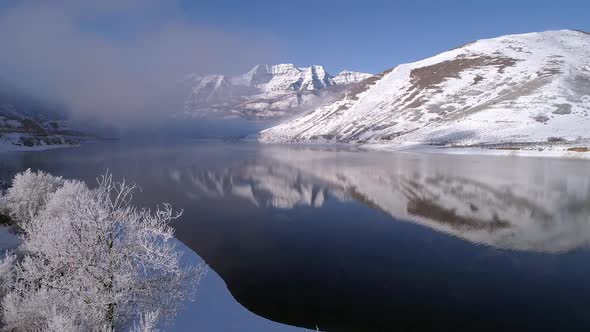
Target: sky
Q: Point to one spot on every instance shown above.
(375, 35)
(113, 56)
(370, 35)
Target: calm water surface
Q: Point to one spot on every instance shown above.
(368, 241)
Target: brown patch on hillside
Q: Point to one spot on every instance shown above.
(521, 90)
(579, 149)
(430, 76)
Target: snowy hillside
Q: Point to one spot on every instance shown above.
(515, 89)
(265, 91)
(30, 123)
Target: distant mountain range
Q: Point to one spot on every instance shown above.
(515, 89)
(527, 90)
(265, 92)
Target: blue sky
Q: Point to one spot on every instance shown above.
(375, 35)
(230, 36)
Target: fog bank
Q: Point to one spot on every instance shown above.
(117, 63)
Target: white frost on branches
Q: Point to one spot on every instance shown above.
(29, 193)
(6, 272)
(147, 322)
(93, 261)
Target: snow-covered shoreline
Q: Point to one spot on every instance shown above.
(14, 142)
(8, 147)
(214, 309)
(542, 151)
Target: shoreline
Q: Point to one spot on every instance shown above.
(540, 152)
(22, 148)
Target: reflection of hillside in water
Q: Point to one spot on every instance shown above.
(514, 203)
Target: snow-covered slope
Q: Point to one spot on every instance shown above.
(30, 123)
(513, 89)
(265, 91)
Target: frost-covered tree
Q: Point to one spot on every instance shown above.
(28, 194)
(95, 262)
(6, 272)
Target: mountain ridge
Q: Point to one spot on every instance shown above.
(265, 91)
(520, 88)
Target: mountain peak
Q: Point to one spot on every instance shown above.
(271, 90)
(348, 77)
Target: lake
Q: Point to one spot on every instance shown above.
(351, 240)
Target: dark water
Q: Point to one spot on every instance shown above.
(369, 241)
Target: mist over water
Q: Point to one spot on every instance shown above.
(117, 64)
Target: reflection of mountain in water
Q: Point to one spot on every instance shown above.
(522, 204)
(264, 184)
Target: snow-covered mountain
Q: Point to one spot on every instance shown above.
(265, 91)
(519, 89)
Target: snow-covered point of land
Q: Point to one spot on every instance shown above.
(25, 142)
(522, 88)
(215, 309)
(22, 129)
(265, 91)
